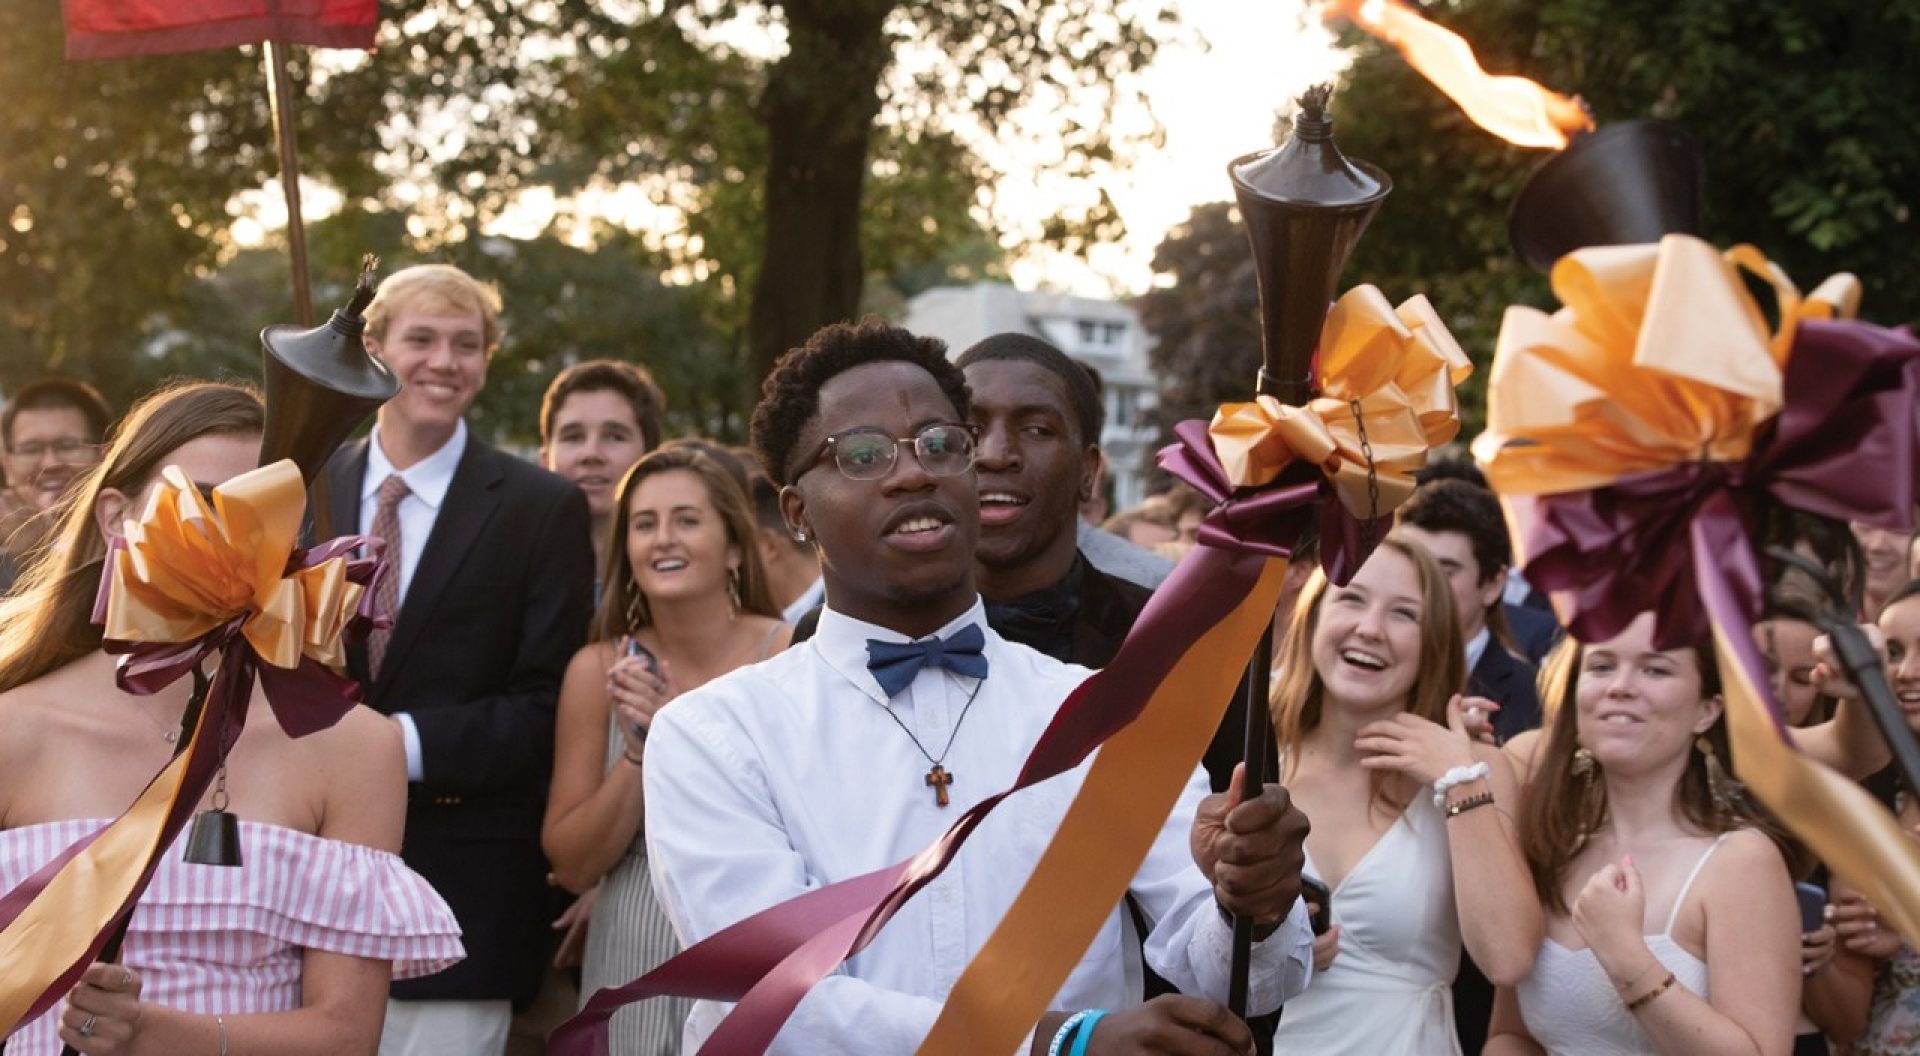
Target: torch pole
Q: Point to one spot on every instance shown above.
(1258, 745)
(280, 96)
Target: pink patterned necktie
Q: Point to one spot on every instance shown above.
(386, 525)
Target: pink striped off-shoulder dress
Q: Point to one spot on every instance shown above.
(215, 939)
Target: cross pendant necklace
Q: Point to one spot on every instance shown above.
(938, 777)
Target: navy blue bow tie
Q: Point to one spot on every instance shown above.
(895, 663)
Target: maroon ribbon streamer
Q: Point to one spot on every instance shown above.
(769, 961)
(306, 699)
(1845, 445)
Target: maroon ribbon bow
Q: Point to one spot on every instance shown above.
(1845, 445)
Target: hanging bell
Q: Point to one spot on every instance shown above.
(214, 837)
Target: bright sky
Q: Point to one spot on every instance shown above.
(1216, 93)
(1216, 100)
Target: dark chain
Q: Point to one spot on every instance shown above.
(1367, 539)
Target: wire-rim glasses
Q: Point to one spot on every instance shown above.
(945, 449)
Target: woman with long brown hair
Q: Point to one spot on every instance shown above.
(684, 601)
(1671, 923)
(290, 953)
(1411, 829)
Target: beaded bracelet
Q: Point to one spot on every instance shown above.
(1639, 1002)
(1473, 802)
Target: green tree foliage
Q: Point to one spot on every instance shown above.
(843, 156)
(563, 305)
(113, 184)
(1802, 109)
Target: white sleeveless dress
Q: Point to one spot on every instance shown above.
(1572, 1009)
(1389, 992)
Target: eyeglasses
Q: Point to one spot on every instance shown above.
(945, 449)
(66, 450)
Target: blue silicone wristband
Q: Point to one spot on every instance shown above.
(1066, 1031)
(1086, 1031)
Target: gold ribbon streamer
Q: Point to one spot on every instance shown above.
(1400, 365)
(81, 899)
(1850, 831)
(187, 569)
(1121, 806)
(1675, 318)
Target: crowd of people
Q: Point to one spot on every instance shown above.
(638, 692)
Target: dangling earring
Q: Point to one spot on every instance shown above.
(1583, 764)
(733, 592)
(636, 607)
(1725, 791)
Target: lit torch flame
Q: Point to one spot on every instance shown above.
(1513, 108)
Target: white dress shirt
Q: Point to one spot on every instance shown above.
(1477, 648)
(790, 774)
(815, 593)
(427, 483)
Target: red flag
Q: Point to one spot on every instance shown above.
(112, 29)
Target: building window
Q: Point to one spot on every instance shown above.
(1087, 332)
(1114, 330)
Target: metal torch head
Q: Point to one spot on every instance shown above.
(1305, 206)
(321, 384)
(1628, 183)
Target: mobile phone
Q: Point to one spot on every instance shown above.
(634, 648)
(1813, 906)
(1321, 918)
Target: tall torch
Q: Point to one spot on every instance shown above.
(1305, 205)
(320, 385)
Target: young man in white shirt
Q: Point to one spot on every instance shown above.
(818, 765)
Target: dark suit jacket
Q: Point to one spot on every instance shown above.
(1534, 631)
(495, 610)
(1508, 681)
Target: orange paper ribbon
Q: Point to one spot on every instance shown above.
(187, 571)
(1395, 367)
(1659, 356)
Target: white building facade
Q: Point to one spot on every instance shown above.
(1105, 335)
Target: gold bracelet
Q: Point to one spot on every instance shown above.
(1637, 1003)
(1473, 802)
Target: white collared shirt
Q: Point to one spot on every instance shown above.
(815, 593)
(791, 774)
(1477, 647)
(427, 483)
